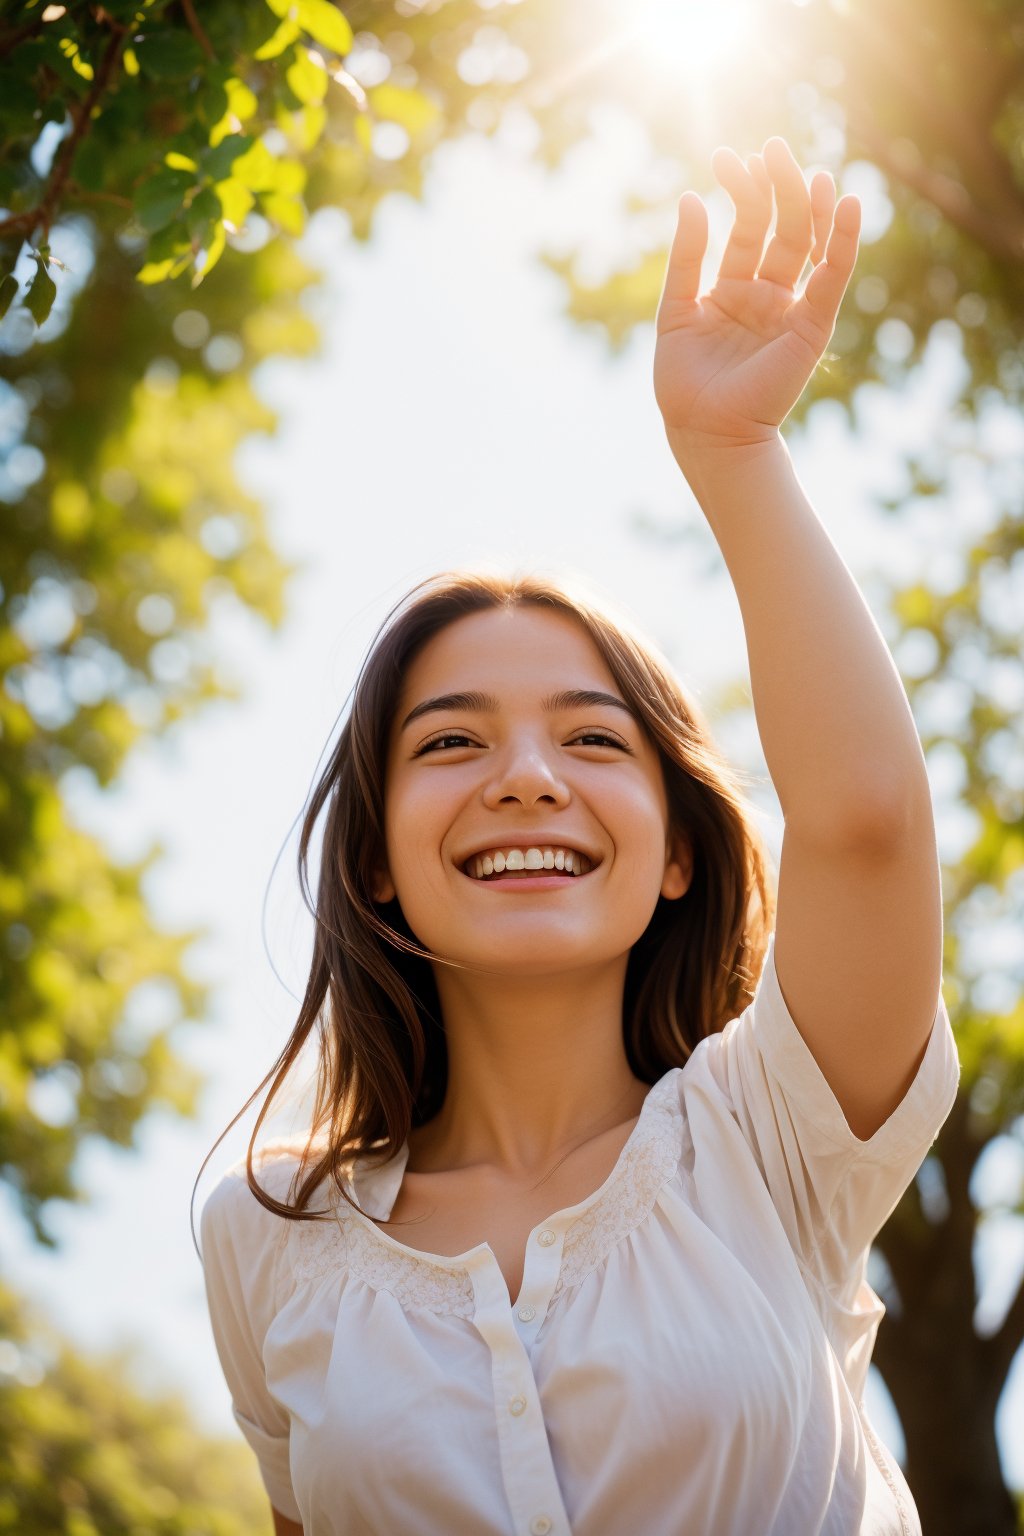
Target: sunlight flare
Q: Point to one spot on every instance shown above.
(695, 38)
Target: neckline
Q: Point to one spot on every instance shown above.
(376, 1189)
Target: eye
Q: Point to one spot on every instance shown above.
(446, 738)
(598, 739)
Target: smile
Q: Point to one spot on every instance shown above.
(513, 863)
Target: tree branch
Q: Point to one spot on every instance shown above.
(196, 29)
(80, 194)
(43, 213)
(10, 40)
(1002, 236)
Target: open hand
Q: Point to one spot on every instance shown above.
(729, 367)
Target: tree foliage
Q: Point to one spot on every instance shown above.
(83, 1452)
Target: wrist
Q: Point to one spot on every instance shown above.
(689, 445)
(704, 457)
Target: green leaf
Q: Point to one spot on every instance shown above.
(160, 271)
(212, 96)
(235, 201)
(169, 55)
(280, 39)
(256, 169)
(41, 293)
(158, 200)
(398, 104)
(217, 162)
(325, 23)
(90, 165)
(306, 79)
(20, 102)
(173, 240)
(303, 127)
(213, 250)
(8, 293)
(242, 102)
(204, 217)
(288, 213)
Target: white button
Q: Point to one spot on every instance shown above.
(546, 1238)
(527, 1314)
(517, 1405)
(540, 1525)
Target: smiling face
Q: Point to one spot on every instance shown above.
(513, 742)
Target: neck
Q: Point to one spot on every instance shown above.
(535, 1064)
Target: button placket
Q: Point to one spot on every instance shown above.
(543, 1262)
(528, 1470)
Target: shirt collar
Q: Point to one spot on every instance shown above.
(375, 1189)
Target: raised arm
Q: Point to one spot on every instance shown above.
(858, 945)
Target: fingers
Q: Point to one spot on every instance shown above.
(794, 225)
(823, 203)
(682, 276)
(750, 188)
(827, 283)
(809, 223)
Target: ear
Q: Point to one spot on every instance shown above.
(678, 867)
(383, 885)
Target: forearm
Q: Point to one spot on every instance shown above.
(834, 720)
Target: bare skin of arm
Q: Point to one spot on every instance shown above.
(285, 1527)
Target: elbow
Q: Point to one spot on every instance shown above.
(881, 818)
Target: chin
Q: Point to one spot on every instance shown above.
(538, 954)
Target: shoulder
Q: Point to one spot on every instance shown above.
(233, 1215)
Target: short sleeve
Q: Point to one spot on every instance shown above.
(833, 1192)
(239, 1244)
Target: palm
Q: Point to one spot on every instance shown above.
(731, 365)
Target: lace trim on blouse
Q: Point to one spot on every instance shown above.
(349, 1244)
(326, 1248)
(649, 1158)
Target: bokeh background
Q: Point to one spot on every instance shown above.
(308, 302)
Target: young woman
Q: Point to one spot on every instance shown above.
(577, 1241)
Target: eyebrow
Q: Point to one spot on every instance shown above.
(487, 704)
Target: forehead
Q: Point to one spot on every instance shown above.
(506, 651)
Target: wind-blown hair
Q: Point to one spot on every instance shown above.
(371, 995)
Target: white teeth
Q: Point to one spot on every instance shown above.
(481, 865)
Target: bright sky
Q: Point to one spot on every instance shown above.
(453, 418)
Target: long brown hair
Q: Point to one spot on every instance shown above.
(371, 995)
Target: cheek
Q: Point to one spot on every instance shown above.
(415, 822)
(638, 823)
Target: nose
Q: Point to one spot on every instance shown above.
(525, 774)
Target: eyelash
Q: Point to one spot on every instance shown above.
(603, 739)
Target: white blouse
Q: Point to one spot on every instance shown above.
(687, 1354)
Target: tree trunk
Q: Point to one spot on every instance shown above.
(945, 1380)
